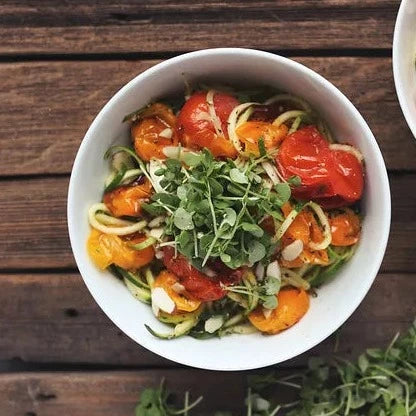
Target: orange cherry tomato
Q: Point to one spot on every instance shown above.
(107, 249)
(145, 133)
(250, 133)
(292, 306)
(127, 200)
(196, 130)
(345, 228)
(184, 301)
(306, 229)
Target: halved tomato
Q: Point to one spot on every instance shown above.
(184, 301)
(195, 127)
(107, 249)
(250, 133)
(154, 131)
(196, 283)
(306, 229)
(292, 306)
(127, 200)
(334, 178)
(345, 228)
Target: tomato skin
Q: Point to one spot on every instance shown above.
(349, 183)
(196, 283)
(306, 154)
(126, 200)
(250, 133)
(345, 228)
(195, 130)
(292, 306)
(306, 229)
(146, 131)
(334, 178)
(184, 301)
(106, 249)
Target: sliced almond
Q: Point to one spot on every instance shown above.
(214, 323)
(273, 270)
(178, 288)
(162, 300)
(293, 250)
(259, 271)
(167, 133)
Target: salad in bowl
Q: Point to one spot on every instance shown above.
(228, 210)
(244, 220)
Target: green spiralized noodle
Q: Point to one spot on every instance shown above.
(232, 123)
(288, 115)
(124, 230)
(289, 97)
(293, 278)
(325, 225)
(295, 125)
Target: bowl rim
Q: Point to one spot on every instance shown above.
(261, 361)
(397, 68)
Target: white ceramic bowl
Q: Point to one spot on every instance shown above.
(335, 302)
(404, 56)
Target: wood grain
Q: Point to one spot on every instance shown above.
(46, 107)
(52, 318)
(36, 230)
(47, 27)
(114, 393)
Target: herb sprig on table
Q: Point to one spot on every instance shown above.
(215, 207)
(379, 383)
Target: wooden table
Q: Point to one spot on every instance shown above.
(60, 61)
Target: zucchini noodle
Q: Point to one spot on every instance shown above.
(131, 173)
(347, 148)
(125, 230)
(109, 220)
(245, 116)
(214, 118)
(286, 224)
(271, 171)
(288, 97)
(325, 225)
(323, 128)
(288, 115)
(290, 277)
(295, 125)
(232, 123)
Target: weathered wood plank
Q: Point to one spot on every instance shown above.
(85, 27)
(34, 212)
(53, 318)
(113, 393)
(47, 107)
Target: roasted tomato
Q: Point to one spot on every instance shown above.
(196, 283)
(334, 178)
(184, 301)
(127, 200)
(345, 228)
(250, 133)
(306, 229)
(107, 249)
(195, 127)
(292, 305)
(154, 130)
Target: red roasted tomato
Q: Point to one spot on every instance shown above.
(196, 130)
(196, 283)
(334, 178)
